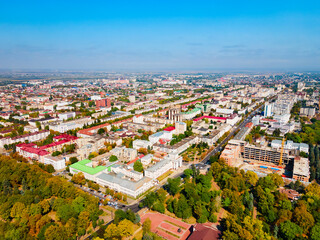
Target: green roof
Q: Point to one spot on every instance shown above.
(81, 166)
(192, 111)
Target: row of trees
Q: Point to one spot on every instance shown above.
(314, 163)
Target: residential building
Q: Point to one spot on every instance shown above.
(66, 116)
(137, 144)
(30, 137)
(290, 145)
(103, 102)
(58, 162)
(232, 153)
(308, 112)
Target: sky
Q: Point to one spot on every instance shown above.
(160, 35)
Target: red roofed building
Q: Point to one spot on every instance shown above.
(32, 151)
(204, 232)
(169, 129)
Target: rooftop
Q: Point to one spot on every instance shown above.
(82, 166)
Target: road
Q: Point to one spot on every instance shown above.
(241, 125)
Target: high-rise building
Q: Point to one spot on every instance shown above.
(174, 114)
(268, 110)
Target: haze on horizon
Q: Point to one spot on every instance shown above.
(160, 35)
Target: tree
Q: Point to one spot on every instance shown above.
(119, 216)
(173, 185)
(125, 228)
(113, 158)
(38, 125)
(146, 227)
(302, 217)
(101, 131)
(54, 232)
(188, 173)
(56, 153)
(112, 232)
(276, 132)
(251, 178)
(290, 230)
(137, 166)
(73, 160)
(143, 151)
(17, 210)
(20, 130)
(79, 178)
(315, 232)
(65, 212)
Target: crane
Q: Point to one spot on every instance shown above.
(282, 147)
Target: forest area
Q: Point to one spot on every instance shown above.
(36, 205)
(241, 194)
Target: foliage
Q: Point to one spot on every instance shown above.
(137, 166)
(113, 158)
(78, 178)
(29, 197)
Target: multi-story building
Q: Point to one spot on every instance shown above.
(85, 166)
(66, 116)
(63, 127)
(30, 137)
(124, 154)
(174, 114)
(290, 145)
(103, 102)
(136, 144)
(268, 110)
(232, 153)
(57, 162)
(124, 185)
(171, 161)
(308, 112)
(264, 154)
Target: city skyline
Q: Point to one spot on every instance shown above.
(164, 36)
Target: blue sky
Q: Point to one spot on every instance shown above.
(160, 35)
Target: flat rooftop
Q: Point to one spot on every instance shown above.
(82, 166)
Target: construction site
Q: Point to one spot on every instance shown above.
(265, 160)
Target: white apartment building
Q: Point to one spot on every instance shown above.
(290, 145)
(66, 116)
(136, 144)
(309, 112)
(224, 111)
(30, 137)
(158, 135)
(58, 162)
